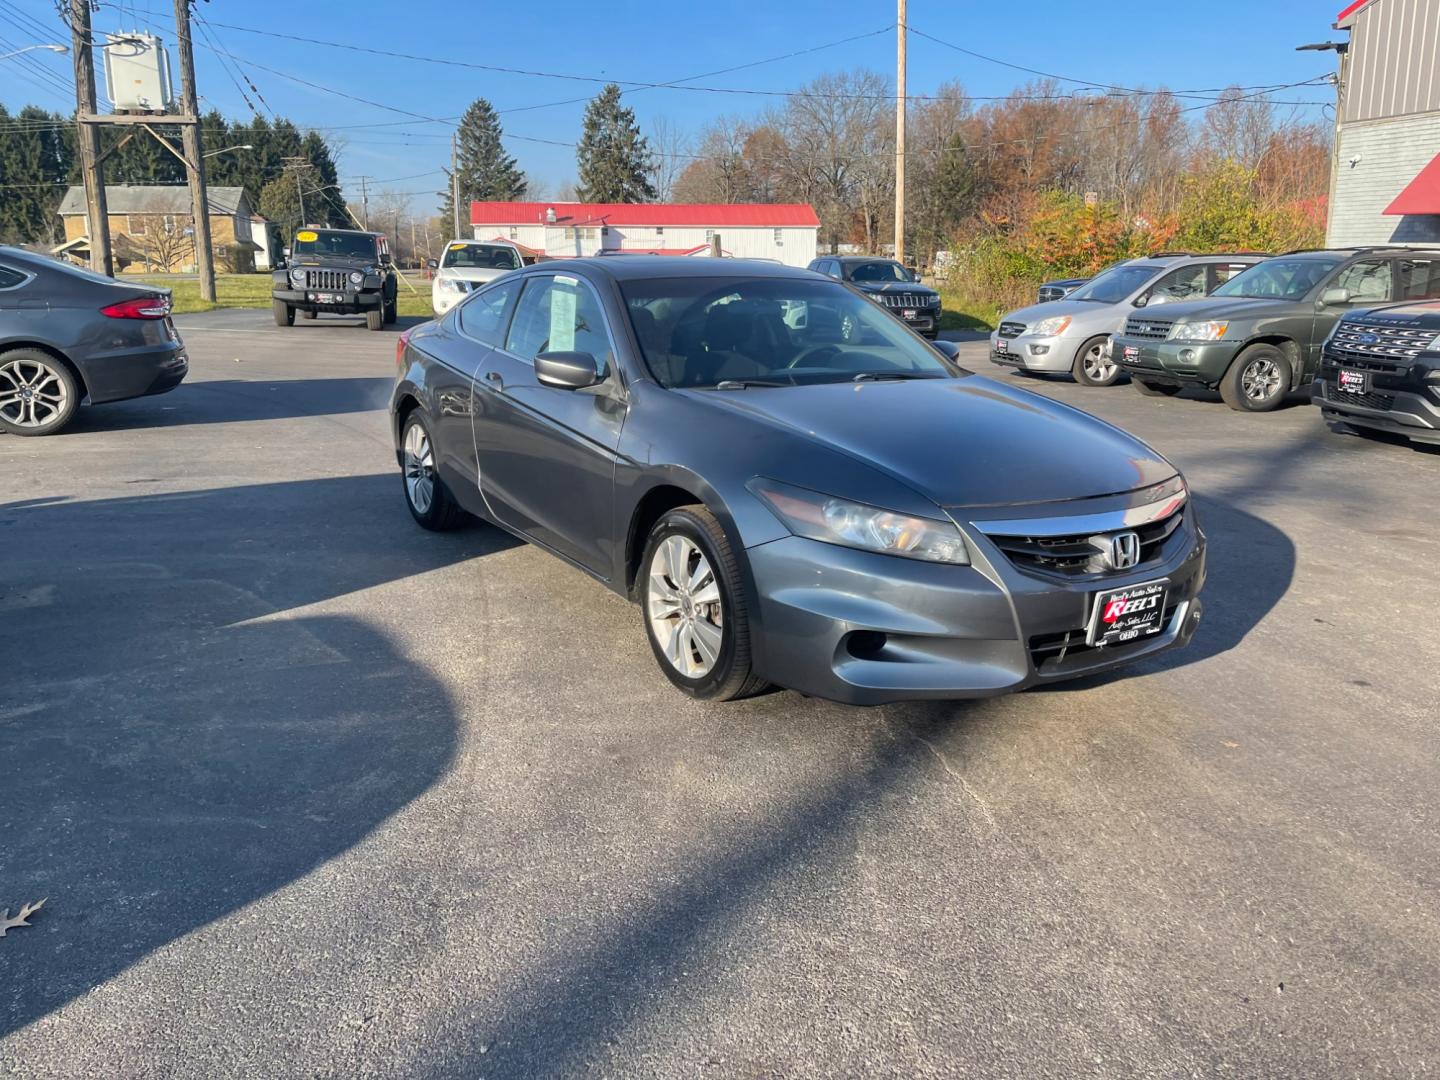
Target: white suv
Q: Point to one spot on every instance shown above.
(468, 264)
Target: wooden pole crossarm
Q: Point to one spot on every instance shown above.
(139, 118)
(183, 159)
(106, 153)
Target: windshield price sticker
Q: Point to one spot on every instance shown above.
(457, 247)
(562, 315)
(308, 236)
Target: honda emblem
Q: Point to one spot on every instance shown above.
(1124, 550)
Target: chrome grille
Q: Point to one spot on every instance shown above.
(1380, 340)
(325, 279)
(1011, 329)
(902, 300)
(1074, 556)
(1138, 326)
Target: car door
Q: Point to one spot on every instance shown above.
(547, 455)
(458, 348)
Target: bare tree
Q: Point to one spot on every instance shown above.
(162, 239)
(670, 150)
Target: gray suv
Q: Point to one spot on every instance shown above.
(1073, 335)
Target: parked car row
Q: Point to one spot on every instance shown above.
(1351, 321)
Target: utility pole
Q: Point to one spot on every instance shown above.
(364, 203)
(414, 253)
(194, 162)
(455, 179)
(900, 136)
(298, 165)
(88, 136)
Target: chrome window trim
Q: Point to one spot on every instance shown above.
(26, 276)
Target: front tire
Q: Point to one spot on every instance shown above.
(430, 502)
(696, 608)
(1257, 380)
(283, 312)
(38, 394)
(1092, 367)
(1154, 389)
(375, 318)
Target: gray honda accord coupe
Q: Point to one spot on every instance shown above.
(794, 487)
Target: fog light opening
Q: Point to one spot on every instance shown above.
(865, 644)
(1187, 356)
(1039, 350)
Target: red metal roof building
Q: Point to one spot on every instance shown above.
(784, 232)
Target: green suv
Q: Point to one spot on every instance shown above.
(1258, 336)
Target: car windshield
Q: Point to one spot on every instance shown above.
(481, 257)
(1112, 286)
(712, 332)
(880, 270)
(345, 245)
(1278, 279)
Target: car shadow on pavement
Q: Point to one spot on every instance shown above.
(180, 737)
(226, 401)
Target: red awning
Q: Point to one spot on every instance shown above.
(1421, 195)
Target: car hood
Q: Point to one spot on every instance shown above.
(472, 273)
(964, 442)
(894, 287)
(1426, 314)
(1052, 308)
(336, 262)
(1215, 307)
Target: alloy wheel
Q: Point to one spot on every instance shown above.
(419, 468)
(1097, 365)
(684, 608)
(1260, 380)
(32, 395)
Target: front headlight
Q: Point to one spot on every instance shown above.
(850, 524)
(1198, 331)
(452, 285)
(356, 277)
(1434, 346)
(297, 276)
(1051, 327)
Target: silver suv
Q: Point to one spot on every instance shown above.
(1073, 335)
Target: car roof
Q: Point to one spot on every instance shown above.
(858, 258)
(331, 228)
(639, 267)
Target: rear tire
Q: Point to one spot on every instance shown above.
(1154, 389)
(284, 313)
(1092, 367)
(375, 319)
(695, 607)
(38, 394)
(1257, 380)
(392, 310)
(430, 502)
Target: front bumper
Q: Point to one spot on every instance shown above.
(1174, 362)
(349, 302)
(1031, 352)
(924, 321)
(1411, 411)
(865, 629)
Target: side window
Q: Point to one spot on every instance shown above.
(10, 278)
(832, 268)
(1419, 279)
(482, 316)
(1184, 284)
(1367, 281)
(1223, 272)
(559, 314)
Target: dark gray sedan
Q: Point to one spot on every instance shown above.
(794, 487)
(69, 336)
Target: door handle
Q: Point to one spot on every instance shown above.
(494, 378)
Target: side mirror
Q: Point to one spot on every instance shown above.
(285, 252)
(948, 349)
(1141, 300)
(433, 264)
(567, 370)
(280, 264)
(384, 258)
(1334, 297)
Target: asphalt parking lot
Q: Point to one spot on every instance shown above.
(312, 792)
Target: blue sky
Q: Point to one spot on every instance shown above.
(1134, 44)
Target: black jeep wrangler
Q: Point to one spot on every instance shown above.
(341, 271)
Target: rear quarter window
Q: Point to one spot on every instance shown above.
(9, 278)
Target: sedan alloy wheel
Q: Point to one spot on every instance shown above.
(419, 469)
(684, 607)
(37, 395)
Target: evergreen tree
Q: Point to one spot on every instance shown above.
(280, 203)
(613, 157)
(487, 173)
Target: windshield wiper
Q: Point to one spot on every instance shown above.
(876, 376)
(741, 384)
